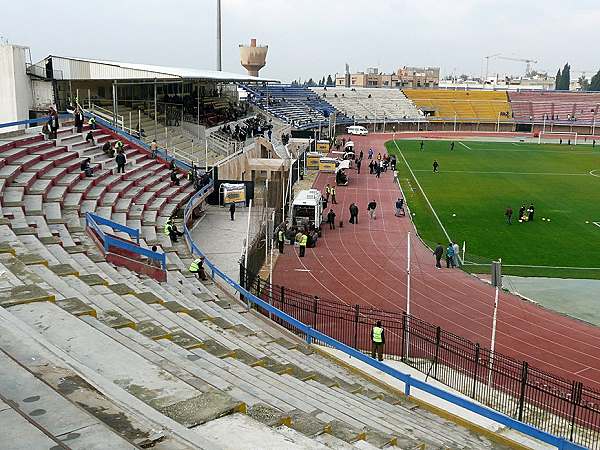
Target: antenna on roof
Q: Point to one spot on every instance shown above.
(219, 66)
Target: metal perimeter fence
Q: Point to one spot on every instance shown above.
(564, 408)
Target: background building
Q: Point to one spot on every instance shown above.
(412, 77)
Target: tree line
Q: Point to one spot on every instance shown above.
(312, 83)
(563, 80)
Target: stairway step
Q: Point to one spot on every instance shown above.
(153, 331)
(185, 340)
(269, 416)
(76, 307)
(63, 270)
(274, 366)
(216, 349)
(345, 432)
(380, 439)
(19, 295)
(115, 319)
(246, 358)
(307, 424)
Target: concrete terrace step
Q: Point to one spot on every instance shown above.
(35, 398)
(40, 186)
(24, 179)
(13, 196)
(56, 193)
(127, 369)
(33, 204)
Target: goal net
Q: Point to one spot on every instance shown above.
(550, 137)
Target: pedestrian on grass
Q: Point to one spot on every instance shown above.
(331, 219)
(530, 212)
(456, 249)
(378, 340)
(232, 210)
(452, 146)
(438, 252)
(422, 144)
(521, 213)
(449, 256)
(371, 207)
(508, 214)
(435, 165)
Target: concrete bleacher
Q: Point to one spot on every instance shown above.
(95, 356)
(576, 108)
(370, 103)
(464, 105)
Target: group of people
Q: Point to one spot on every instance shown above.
(525, 214)
(254, 126)
(306, 236)
(452, 252)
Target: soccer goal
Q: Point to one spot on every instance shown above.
(551, 137)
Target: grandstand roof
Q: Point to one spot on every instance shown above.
(95, 69)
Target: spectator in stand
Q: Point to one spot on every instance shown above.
(152, 261)
(89, 137)
(86, 168)
(108, 149)
(174, 178)
(153, 149)
(92, 123)
(53, 123)
(120, 159)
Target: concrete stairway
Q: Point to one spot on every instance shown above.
(121, 360)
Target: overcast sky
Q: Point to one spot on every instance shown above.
(312, 38)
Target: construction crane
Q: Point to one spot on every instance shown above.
(525, 60)
(487, 64)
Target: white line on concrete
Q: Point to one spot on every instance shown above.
(423, 192)
(464, 145)
(506, 173)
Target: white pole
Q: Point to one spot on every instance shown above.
(454, 122)
(90, 101)
(206, 155)
(544, 125)
(498, 125)
(130, 127)
(463, 250)
(271, 263)
(407, 295)
(247, 243)
(493, 343)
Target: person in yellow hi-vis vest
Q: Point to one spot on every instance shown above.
(197, 268)
(378, 338)
(302, 242)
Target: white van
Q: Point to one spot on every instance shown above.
(357, 129)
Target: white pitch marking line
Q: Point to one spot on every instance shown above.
(464, 145)
(597, 224)
(505, 173)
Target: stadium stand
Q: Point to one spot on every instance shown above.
(92, 353)
(296, 105)
(576, 108)
(442, 104)
(370, 103)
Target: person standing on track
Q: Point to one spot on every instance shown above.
(331, 219)
(436, 165)
(370, 154)
(449, 256)
(327, 192)
(438, 252)
(302, 243)
(371, 207)
(332, 190)
(378, 340)
(456, 249)
(358, 163)
(353, 213)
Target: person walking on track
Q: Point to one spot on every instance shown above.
(331, 219)
(378, 340)
(327, 192)
(438, 252)
(371, 209)
(333, 200)
(353, 213)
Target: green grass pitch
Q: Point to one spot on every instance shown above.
(479, 179)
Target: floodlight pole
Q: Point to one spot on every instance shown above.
(219, 67)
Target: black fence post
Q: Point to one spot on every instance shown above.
(242, 279)
(576, 389)
(524, 373)
(438, 333)
(315, 306)
(475, 374)
(356, 315)
(282, 296)
(403, 339)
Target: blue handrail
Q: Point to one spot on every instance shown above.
(312, 334)
(94, 221)
(31, 121)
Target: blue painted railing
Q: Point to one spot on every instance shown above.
(32, 121)
(94, 222)
(409, 382)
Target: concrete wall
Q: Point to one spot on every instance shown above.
(15, 86)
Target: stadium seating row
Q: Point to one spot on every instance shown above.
(91, 353)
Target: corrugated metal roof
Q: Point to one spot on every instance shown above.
(128, 71)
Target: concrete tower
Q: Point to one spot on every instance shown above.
(253, 58)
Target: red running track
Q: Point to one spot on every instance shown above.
(365, 264)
